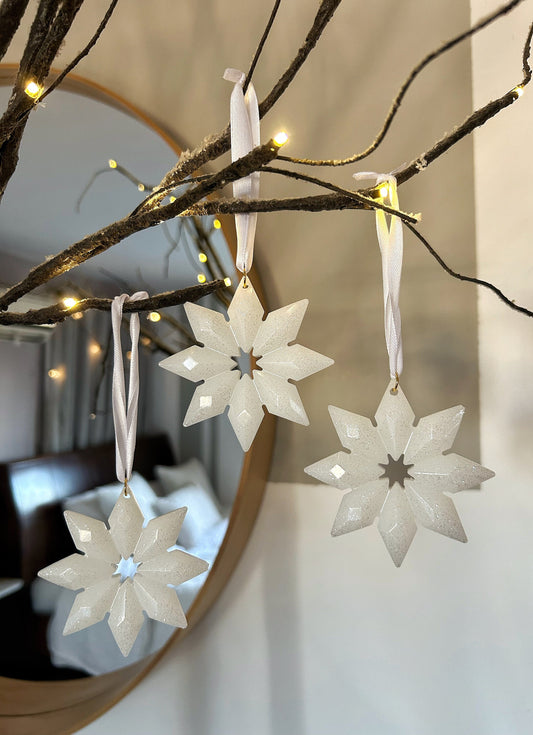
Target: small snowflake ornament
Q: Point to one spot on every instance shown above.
(397, 472)
(245, 332)
(124, 570)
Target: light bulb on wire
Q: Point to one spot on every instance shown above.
(281, 138)
(57, 373)
(33, 89)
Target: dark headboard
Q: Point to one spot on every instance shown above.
(33, 533)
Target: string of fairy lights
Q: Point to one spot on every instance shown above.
(204, 259)
(197, 235)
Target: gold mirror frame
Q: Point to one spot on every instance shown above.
(55, 708)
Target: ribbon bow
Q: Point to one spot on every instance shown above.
(244, 119)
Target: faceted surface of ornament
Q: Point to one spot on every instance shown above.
(124, 570)
(224, 385)
(397, 472)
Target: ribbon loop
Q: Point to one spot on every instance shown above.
(390, 238)
(245, 135)
(125, 414)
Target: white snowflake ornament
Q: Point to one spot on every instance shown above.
(397, 472)
(246, 332)
(124, 570)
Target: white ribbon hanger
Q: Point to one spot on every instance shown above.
(390, 240)
(125, 415)
(244, 119)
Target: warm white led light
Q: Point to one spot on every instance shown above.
(56, 373)
(154, 316)
(34, 90)
(69, 302)
(201, 278)
(281, 138)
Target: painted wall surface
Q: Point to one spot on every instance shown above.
(317, 635)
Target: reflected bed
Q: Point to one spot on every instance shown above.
(33, 494)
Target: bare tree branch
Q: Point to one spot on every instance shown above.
(58, 312)
(260, 47)
(83, 52)
(470, 279)
(475, 120)
(403, 91)
(105, 238)
(42, 47)
(11, 13)
(366, 197)
(216, 146)
(50, 26)
(54, 18)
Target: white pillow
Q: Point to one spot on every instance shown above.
(191, 472)
(202, 512)
(98, 503)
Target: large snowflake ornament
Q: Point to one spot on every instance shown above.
(246, 332)
(398, 472)
(124, 570)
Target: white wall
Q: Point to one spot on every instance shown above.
(317, 635)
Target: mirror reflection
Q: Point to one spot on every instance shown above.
(56, 429)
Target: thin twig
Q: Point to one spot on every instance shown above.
(363, 197)
(470, 279)
(58, 312)
(324, 15)
(475, 120)
(395, 106)
(261, 45)
(216, 146)
(57, 81)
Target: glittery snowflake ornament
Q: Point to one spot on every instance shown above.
(397, 472)
(246, 332)
(124, 570)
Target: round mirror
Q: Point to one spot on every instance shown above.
(88, 158)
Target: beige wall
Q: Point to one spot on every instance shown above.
(168, 57)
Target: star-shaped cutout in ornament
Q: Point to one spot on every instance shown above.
(246, 332)
(124, 570)
(416, 474)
